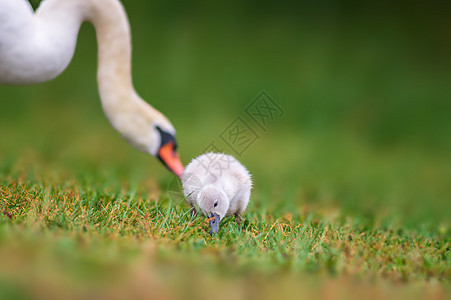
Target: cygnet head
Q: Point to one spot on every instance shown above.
(214, 203)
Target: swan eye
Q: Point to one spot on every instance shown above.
(216, 204)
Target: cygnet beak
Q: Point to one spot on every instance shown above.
(214, 223)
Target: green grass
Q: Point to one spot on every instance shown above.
(79, 237)
(351, 193)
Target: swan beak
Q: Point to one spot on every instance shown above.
(170, 158)
(214, 223)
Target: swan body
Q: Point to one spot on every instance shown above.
(37, 47)
(218, 185)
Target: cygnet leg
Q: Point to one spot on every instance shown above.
(238, 219)
(193, 212)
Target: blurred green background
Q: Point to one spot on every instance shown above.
(365, 87)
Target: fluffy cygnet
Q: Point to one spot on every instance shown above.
(218, 185)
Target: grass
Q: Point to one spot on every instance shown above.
(351, 185)
(81, 238)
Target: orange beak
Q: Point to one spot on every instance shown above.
(171, 158)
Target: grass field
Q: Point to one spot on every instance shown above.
(351, 193)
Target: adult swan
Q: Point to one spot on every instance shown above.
(36, 47)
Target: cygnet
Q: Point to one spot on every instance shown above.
(218, 185)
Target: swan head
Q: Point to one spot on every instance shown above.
(214, 202)
(141, 125)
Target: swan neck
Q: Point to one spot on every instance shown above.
(114, 49)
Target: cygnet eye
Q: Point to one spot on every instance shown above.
(216, 204)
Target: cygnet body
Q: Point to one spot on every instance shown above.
(218, 185)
